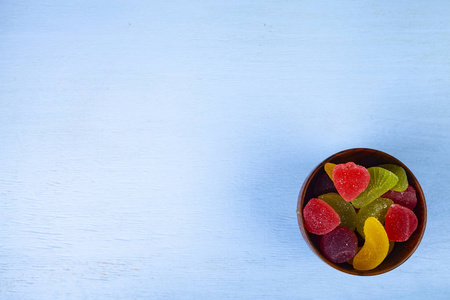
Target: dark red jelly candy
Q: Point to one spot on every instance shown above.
(350, 180)
(339, 245)
(320, 218)
(324, 185)
(407, 198)
(400, 223)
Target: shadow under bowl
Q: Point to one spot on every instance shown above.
(367, 158)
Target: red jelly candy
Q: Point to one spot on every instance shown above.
(408, 198)
(339, 245)
(400, 223)
(350, 180)
(320, 218)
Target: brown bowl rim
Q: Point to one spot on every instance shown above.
(421, 202)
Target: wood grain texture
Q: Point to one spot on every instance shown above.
(155, 149)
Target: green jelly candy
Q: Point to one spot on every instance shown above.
(343, 208)
(378, 209)
(402, 183)
(381, 181)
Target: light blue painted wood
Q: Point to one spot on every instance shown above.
(155, 149)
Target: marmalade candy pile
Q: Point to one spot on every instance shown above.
(375, 204)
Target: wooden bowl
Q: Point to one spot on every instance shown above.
(367, 158)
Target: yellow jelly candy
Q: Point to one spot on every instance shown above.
(391, 246)
(376, 246)
(329, 169)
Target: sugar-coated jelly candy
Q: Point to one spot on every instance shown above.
(408, 198)
(350, 261)
(377, 209)
(323, 185)
(339, 245)
(381, 181)
(376, 246)
(400, 223)
(391, 246)
(350, 180)
(345, 209)
(402, 183)
(329, 167)
(320, 218)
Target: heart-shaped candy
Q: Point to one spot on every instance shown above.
(350, 180)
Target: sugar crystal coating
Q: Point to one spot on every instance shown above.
(402, 183)
(400, 223)
(377, 209)
(391, 246)
(387, 186)
(408, 198)
(381, 181)
(376, 246)
(339, 245)
(320, 218)
(329, 167)
(345, 209)
(350, 180)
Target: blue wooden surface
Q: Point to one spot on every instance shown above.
(155, 149)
